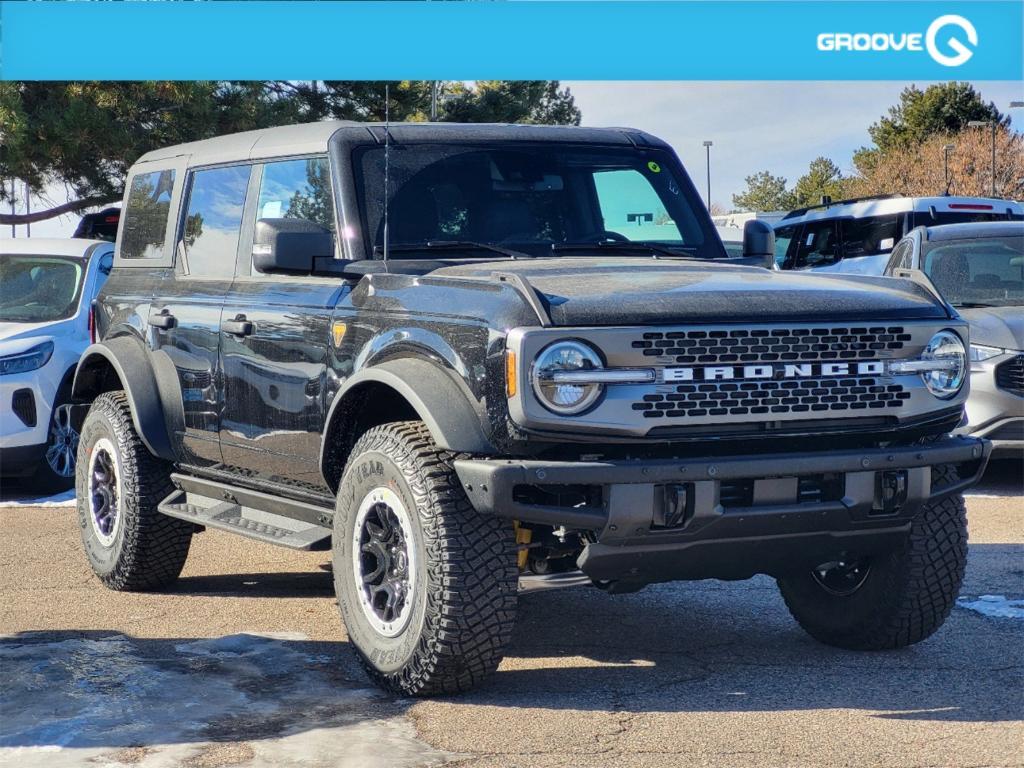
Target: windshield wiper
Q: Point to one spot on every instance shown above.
(453, 245)
(627, 247)
(973, 304)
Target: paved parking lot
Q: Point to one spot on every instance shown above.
(245, 663)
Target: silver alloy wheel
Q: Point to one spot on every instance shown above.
(384, 561)
(104, 497)
(62, 446)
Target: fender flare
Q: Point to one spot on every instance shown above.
(436, 397)
(130, 363)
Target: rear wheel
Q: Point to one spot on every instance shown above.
(130, 545)
(891, 600)
(426, 586)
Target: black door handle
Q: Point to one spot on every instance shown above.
(163, 320)
(238, 327)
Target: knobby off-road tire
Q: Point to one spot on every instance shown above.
(906, 595)
(130, 545)
(460, 566)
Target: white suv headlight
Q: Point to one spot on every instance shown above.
(29, 360)
(565, 397)
(947, 349)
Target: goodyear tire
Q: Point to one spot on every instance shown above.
(130, 545)
(893, 600)
(426, 587)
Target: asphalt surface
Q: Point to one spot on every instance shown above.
(244, 662)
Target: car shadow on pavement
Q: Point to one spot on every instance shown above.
(257, 585)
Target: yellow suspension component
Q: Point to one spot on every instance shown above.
(523, 537)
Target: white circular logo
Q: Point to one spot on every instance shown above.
(963, 53)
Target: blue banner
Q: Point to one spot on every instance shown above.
(741, 40)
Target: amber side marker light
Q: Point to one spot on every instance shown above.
(510, 373)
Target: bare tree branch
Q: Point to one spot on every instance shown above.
(72, 206)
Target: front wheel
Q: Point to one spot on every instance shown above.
(426, 586)
(56, 472)
(891, 600)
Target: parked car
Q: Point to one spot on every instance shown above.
(857, 235)
(471, 359)
(46, 291)
(101, 225)
(979, 270)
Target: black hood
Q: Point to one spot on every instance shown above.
(623, 291)
(1001, 327)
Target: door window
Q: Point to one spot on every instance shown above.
(145, 223)
(214, 220)
(630, 206)
(819, 245)
(297, 189)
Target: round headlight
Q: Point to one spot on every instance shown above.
(565, 398)
(945, 380)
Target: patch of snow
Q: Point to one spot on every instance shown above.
(65, 499)
(996, 606)
(82, 701)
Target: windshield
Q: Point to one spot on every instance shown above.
(987, 271)
(530, 197)
(38, 289)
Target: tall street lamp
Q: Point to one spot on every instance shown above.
(993, 124)
(707, 147)
(945, 162)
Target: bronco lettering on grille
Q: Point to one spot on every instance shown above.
(772, 371)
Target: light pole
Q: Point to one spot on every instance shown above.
(945, 162)
(982, 124)
(707, 147)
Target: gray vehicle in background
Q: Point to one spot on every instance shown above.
(979, 269)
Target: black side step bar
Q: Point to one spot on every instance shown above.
(257, 515)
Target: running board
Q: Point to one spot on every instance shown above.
(281, 529)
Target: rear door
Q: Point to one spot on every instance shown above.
(275, 338)
(186, 312)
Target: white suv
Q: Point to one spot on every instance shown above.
(857, 236)
(46, 293)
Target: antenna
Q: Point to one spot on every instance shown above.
(387, 164)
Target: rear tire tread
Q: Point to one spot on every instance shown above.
(154, 546)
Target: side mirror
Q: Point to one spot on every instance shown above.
(290, 246)
(759, 242)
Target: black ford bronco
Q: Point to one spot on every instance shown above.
(472, 360)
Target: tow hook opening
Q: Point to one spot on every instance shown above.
(890, 492)
(674, 505)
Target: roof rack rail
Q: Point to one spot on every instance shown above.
(829, 203)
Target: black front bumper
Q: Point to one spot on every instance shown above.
(773, 527)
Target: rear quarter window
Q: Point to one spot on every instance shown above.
(145, 215)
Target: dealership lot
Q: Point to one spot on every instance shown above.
(244, 662)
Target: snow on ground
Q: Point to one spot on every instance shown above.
(996, 606)
(65, 499)
(251, 700)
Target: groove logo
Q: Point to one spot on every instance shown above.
(938, 34)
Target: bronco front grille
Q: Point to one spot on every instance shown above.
(1010, 375)
(772, 397)
(712, 347)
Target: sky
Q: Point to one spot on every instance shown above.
(774, 126)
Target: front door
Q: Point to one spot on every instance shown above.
(185, 315)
